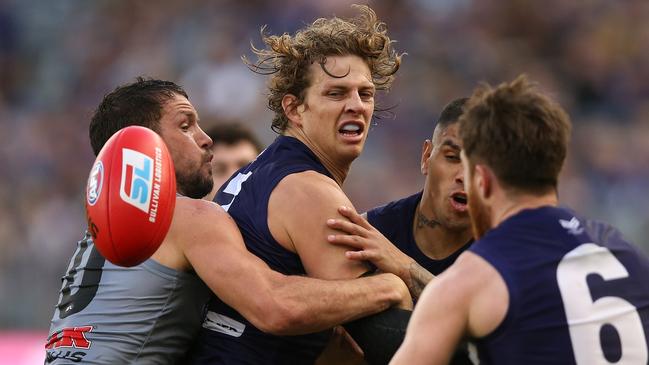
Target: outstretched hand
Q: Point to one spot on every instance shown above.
(368, 243)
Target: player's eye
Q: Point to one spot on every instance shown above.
(366, 95)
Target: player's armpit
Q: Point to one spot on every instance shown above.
(298, 209)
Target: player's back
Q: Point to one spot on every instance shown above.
(108, 314)
(578, 291)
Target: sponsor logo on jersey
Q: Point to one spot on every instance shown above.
(223, 324)
(95, 183)
(70, 337)
(74, 356)
(573, 226)
(234, 187)
(141, 177)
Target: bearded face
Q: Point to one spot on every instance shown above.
(478, 211)
(194, 184)
(480, 215)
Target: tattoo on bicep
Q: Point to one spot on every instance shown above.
(423, 221)
(419, 277)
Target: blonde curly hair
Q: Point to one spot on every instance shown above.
(287, 58)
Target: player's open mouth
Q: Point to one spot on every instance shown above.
(459, 201)
(351, 129)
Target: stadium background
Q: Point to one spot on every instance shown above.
(58, 58)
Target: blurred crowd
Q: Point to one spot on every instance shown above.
(58, 58)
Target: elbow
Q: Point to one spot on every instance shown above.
(283, 319)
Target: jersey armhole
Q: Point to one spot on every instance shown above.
(498, 262)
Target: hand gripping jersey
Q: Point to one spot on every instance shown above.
(227, 337)
(108, 314)
(395, 221)
(579, 293)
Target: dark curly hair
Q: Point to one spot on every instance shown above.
(287, 58)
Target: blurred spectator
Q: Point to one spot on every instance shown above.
(234, 146)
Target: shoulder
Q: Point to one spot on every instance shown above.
(197, 209)
(309, 185)
(465, 275)
(476, 287)
(193, 215)
(304, 199)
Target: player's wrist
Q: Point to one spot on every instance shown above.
(399, 295)
(404, 268)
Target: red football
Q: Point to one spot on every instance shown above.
(130, 196)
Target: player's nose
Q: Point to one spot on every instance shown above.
(354, 104)
(203, 140)
(459, 176)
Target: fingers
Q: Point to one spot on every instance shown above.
(346, 227)
(360, 255)
(352, 343)
(339, 331)
(353, 216)
(347, 240)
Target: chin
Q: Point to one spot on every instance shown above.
(350, 155)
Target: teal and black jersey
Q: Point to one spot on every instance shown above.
(227, 337)
(108, 314)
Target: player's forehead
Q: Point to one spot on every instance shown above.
(350, 70)
(178, 106)
(447, 136)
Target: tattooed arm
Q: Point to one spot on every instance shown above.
(370, 245)
(417, 279)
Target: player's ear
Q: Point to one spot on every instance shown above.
(484, 180)
(426, 150)
(292, 109)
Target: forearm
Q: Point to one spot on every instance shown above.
(416, 278)
(337, 302)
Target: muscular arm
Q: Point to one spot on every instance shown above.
(297, 212)
(417, 278)
(468, 299)
(275, 303)
(371, 245)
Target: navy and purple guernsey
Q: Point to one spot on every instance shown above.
(395, 220)
(579, 293)
(227, 337)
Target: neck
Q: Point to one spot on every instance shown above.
(512, 203)
(338, 170)
(433, 238)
